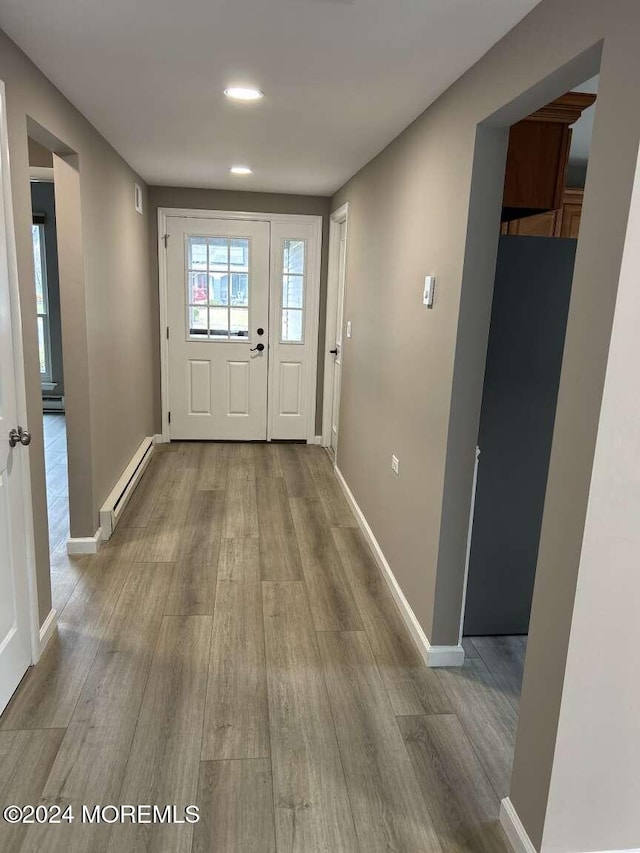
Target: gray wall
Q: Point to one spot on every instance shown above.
(412, 384)
(43, 201)
(524, 357)
(117, 289)
(205, 199)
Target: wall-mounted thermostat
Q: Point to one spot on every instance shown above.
(429, 290)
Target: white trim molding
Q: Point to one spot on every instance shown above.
(121, 493)
(85, 544)
(48, 629)
(433, 656)
(467, 559)
(517, 836)
(335, 221)
(513, 828)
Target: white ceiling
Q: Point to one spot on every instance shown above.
(341, 78)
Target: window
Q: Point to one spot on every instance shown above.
(293, 287)
(218, 288)
(42, 301)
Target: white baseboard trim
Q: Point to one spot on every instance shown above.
(85, 544)
(316, 440)
(513, 828)
(158, 438)
(432, 655)
(517, 834)
(119, 497)
(48, 629)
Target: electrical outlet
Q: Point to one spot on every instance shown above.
(395, 465)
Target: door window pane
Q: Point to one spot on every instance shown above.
(42, 350)
(218, 253)
(219, 322)
(42, 301)
(239, 255)
(218, 288)
(239, 289)
(198, 322)
(294, 251)
(239, 323)
(198, 288)
(197, 253)
(293, 291)
(291, 326)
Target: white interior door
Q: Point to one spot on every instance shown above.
(218, 328)
(337, 362)
(15, 626)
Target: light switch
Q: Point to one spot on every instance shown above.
(429, 290)
(348, 328)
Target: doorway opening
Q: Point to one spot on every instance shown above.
(542, 199)
(239, 296)
(336, 292)
(54, 186)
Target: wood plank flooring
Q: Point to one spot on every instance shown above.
(234, 647)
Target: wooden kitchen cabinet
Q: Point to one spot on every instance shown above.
(563, 222)
(537, 159)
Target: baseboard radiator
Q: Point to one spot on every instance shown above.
(120, 495)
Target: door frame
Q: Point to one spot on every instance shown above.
(26, 536)
(313, 291)
(337, 218)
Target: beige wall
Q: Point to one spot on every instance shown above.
(202, 199)
(117, 293)
(39, 155)
(412, 380)
(595, 785)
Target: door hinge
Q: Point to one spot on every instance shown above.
(167, 333)
(166, 240)
(169, 417)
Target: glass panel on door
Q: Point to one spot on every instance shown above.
(293, 292)
(218, 288)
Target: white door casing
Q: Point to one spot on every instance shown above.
(18, 607)
(218, 385)
(334, 354)
(278, 384)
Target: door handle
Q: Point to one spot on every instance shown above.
(19, 436)
(258, 347)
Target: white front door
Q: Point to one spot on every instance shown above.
(242, 327)
(337, 349)
(15, 626)
(218, 319)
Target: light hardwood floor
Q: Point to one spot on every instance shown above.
(234, 647)
(65, 570)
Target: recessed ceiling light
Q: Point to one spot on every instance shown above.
(243, 93)
(241, 170)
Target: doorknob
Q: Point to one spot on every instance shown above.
(19, 436)
(258, 347)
